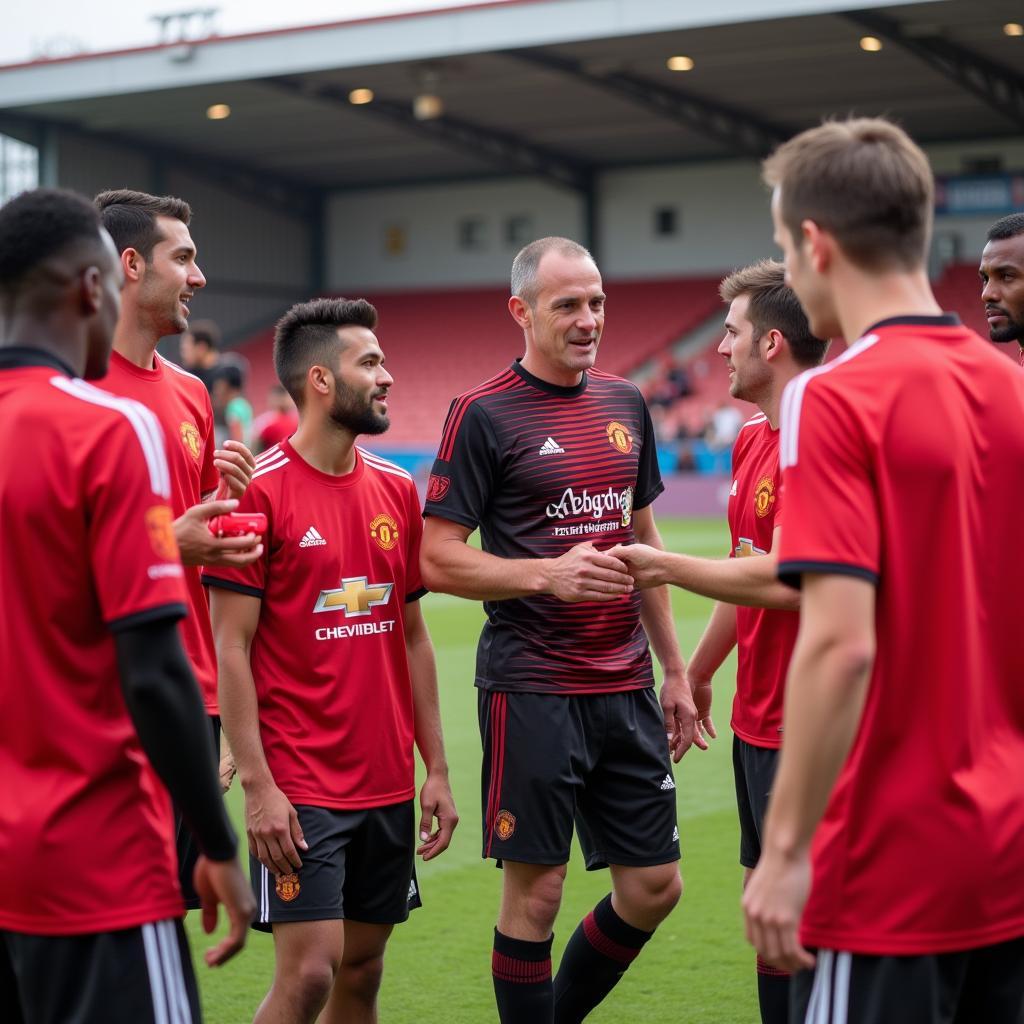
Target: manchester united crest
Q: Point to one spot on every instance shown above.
(437, 487)
(160, 526)
(384, 530)
(764, 496)
(190, 438)
(287, 887)
(619, 437)
(504, 824)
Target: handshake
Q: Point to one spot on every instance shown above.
(585, 573)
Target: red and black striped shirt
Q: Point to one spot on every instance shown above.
(540, 468)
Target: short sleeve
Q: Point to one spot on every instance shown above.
(648, 475)
(832, 517)
(248, 579)
(132, 549)
(414, 588)
(466, 467)
(209, 477)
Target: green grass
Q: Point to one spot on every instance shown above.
(697, 968)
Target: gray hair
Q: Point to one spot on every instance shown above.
(524, 266)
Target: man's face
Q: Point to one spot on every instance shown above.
(567, 316)
(100, 335)
(810, 287)
(170, 278)
(749, 374)
(361, 383)
(1002, 277)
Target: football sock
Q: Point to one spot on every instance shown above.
(521, 971)
(600, 950)
(772, 993)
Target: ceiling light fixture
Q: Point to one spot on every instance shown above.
(679, 63)
(357, 97)
(870, 44)
(427, 106)
(1013, 28)
(218, 112)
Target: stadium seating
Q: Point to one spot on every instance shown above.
(440, 343)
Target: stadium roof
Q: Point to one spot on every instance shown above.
(558, 89)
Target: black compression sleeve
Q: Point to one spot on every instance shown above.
(167, 711)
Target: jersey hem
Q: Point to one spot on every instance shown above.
(757, 741)
(649, 498)
(160, 611)
(363, 804)
(92, 924)
(789, 572)
(416, 595)
(923, 944)
(569, 691)
(223, 584)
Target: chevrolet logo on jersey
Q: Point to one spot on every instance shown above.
(356, 596)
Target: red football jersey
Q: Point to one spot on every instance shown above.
(329, 658)
(764, 636)
(181, 403)
(86, 832)
(903, 463)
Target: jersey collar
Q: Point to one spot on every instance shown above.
(543, 385)
(14, 356)
(943, 320)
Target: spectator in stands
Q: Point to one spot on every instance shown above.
(200, 351)
(230, 403)
(724, 427)
(1002, 274)
(279, 421)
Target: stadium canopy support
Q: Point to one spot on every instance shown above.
(1000, 88)
(741, 132)
(502, 149)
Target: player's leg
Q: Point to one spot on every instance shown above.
(380, 891)
(754, 774)
(10, 999)
(305, 910)
(993, 989)
(531, 772)
(626, 819)
(139, 975)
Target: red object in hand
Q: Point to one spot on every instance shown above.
(238, 524)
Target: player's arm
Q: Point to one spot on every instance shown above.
(436, 801)
(751, 581)
(825, 693)
(163, 701)
(271, 822)
(656, 615)
(451, 566)
(714, 646)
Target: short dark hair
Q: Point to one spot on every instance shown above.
(205, 331)
(774, 306)
(130, 217)
(1006, 227)
(39, 224)
(231, 374)
(308, 334)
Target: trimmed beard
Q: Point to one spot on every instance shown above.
(354, 414)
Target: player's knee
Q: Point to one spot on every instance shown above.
(542, 899)
(311, 981)
(651, 895)
(362, 979)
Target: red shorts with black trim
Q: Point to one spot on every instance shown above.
(597, 761)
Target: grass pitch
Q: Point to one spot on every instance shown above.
(696, 970)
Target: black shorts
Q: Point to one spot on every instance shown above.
(600, 760)
(139, 975)
(754, 772)
(980, 986)
(188, 848)
(359, 866)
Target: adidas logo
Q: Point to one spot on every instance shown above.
(732, 493)
(551, 447)
(413, 891)
(667, 783)
(675, 834)
(312, 539)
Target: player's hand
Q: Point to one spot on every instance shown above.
(236, 465)
(585, 574)
(701, 690)
(199, 547)
(773, 902)
(436, 803)
(224, 882)
(272, 827)
(226, 771)
(680, 716)
(642, 562)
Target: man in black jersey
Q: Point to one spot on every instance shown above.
(555, 462)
